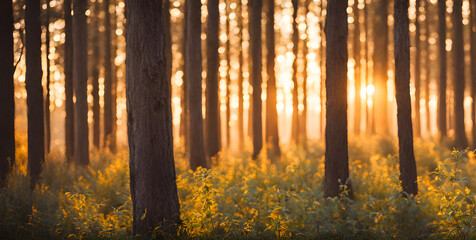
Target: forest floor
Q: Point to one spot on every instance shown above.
(241, 198)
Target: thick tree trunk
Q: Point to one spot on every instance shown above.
(417, 71)
(241, 131)
(34, 90)
(272, 134)
(184, 117)
(408, 173)
(460, 134)
(255, 7)
(149, 120)
(80, 78)
(357, 69)
(380, 66)
(295, 39)
(95, 77)
(442, 80)
(48, 78)
(108, 85)
(212, 103)
(194, 77)
(7, 100)
(336, 158)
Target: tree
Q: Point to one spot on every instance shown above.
(152, 171)
(321, 67)
(460, 134)
(417, 70)
(7, 101)
(255, 7)
(272, 134)
(228, 76)
(380, 60)
(80, 78)
(194, 77)
(34, 90)
(295, 39)
(184, 117)
(358, 67)
(212, 104)
(336, 157)
(95, 76)
(408, 173)
(427, 66)
(241, 133)
(305, 52)
(473, 67)
(48, 77)
(68, 82)
(168, 38)
(108, 82)
(442, 80)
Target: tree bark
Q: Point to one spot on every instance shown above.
(461, 141)
(95, 77)
(357, 69)
(417, 71)
(228, 77)
(168, 39)
(194, 77)
(34, 90)
(80, 78)
(321, 67)
(255, 7)
(149, 120)
(295, 39)
(108, 85)
(7, 100)
(184, 117)
(472, 25)
(272, 134)
(68, 82)
(336, 157)
(241, 131)
(442, 79)
(427, 67)
(305, 52)
(212, 103)
(48, 77)
(408, 173)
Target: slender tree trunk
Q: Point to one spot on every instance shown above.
(380, 66)
(295, 38)
(80, 77)
(228, 77)
(168, 40)
(212, 103)
(194, 71)
(241, 132)
(152, 172)
(368, 119)
(460, 134)
(34, 90)
(48, 78)
(95, 77)
(305, 52)
(473, 68)
(336, 157)
(184, 117)
(255, 7)
(7, 100)
(68, 82)
(417, 71)
(321, 67)
(113, 139)
(442, 80)
(108, 85)
(408, 173)
(272, 134)
(427, 67)
(357, 69)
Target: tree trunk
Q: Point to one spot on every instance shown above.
(108, 99)
(255, 7)
(228, 77)
(357, 69)
(442, 80)
(381, 66)
(368, 116)
(461, 141)
(473, 68)
(34, 90)
(336, 157)
(48, 77)
(305, 52)
(149, 120)
(241, 131)
(295, 38)
(212, 103)
(68, 82)
(321, 67)
(417, 71)
(194, 77)
(7, 100)
(95, 77)
(168, 40)
(80, 77)
(272, 134)
(427, 67)
(184, 117)
(408, 174)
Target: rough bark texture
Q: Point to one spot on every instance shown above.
(381, 65)
(68, 82)
(336, 157)
(417, 71)
(108, 99)
(255, 7)
(459, 81)
(7, 101)
(194, 77)
(357, 69)
(212, 103)
(48, 78)
(408, 173)
(95, 76)
(149, 121)
(80, 78)
(272, 134)
(295, 38)
(473, 68)
(442, 80)
(34, 90)
(241, 131)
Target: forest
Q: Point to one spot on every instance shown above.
(237, 119)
